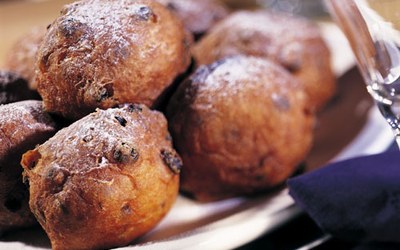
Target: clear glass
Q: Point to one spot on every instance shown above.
(373, 30)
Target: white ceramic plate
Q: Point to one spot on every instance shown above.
(234, 222)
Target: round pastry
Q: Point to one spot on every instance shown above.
(104, 180)
(22, 56)
(14, 88)
(101, 53)
(197, 16)
(294, 43)
(241, 125)
(22, 126)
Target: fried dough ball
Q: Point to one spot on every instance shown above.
(241, 125)
(294, 43)
(197, 16)
(101, 53)
(14, 88)
(105, 180)
(22, 56)
(22, 126)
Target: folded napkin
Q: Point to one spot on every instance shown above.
(356, 199)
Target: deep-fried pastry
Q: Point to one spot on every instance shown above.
(293, 42)
(197, 16)
(241, 125)
(101, 53)
(21, 58)
(104, 180)
(22, 126)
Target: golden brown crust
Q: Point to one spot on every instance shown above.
(293, 42)
(101, 53)
(241, 125)
(22, 56)
(197, 16)
(105, 180)
(22, 126)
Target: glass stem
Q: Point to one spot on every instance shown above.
(392, 119)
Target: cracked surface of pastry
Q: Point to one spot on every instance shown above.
(100, 53)
(104, 180)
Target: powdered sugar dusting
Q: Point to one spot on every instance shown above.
(100, 28)
(28, 113)
(259, 33)
(22, 124)
(277, 25)
(239, 72)
(240, 77)
(95, 141)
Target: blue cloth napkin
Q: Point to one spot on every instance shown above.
(356, 199)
